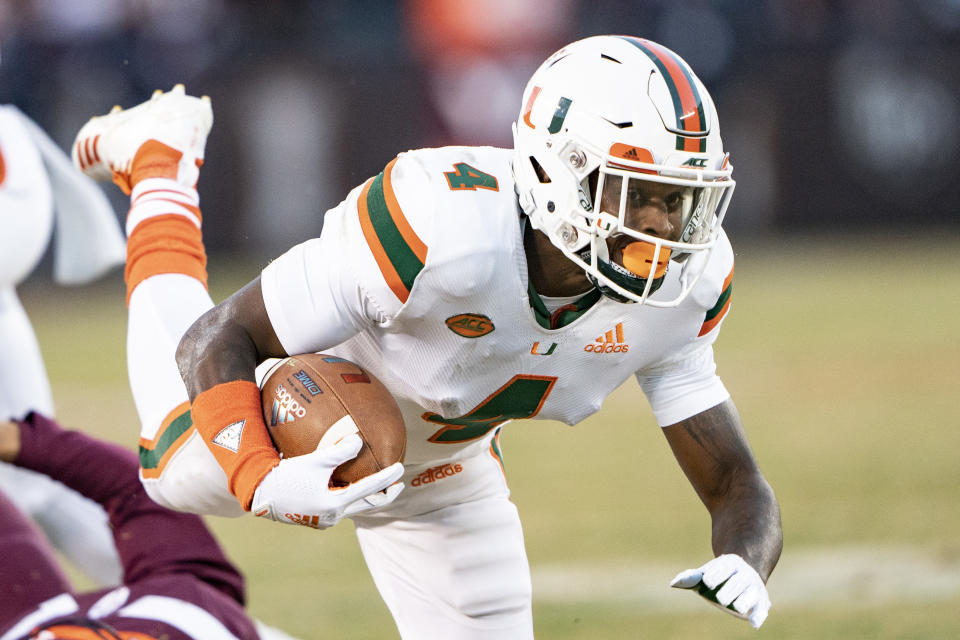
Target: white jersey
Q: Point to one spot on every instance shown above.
(420, 277)
(39, 191)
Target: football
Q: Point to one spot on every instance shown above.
(315, 398)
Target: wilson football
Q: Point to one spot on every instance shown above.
(310, 399)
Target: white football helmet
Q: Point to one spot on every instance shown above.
(616, 109)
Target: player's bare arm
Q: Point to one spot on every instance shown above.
(712, 450)
(223, 347)
(9, 441)
(228, 342)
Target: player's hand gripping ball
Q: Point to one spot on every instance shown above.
(312, 399)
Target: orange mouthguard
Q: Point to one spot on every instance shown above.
(638, 258)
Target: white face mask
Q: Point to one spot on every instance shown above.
(631, 111)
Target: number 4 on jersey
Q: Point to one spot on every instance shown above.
(467, 178)
(522, 397)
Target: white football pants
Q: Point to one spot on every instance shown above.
(447, 556)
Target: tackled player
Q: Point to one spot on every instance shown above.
(600, 229)
(177, 582)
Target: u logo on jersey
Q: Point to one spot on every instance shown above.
(537, 350)
(610, 342)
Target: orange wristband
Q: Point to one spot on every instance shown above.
(229, 416)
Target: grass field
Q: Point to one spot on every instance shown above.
(844, 362)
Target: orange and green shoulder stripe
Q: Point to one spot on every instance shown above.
(398, 250)
(715, 315)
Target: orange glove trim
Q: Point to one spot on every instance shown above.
(229, 416)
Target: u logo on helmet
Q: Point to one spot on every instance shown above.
(527, 108)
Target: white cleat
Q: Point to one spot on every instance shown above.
(107, 144)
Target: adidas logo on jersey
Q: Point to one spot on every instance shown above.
(434, 474)
(610, 342)
(285, 407)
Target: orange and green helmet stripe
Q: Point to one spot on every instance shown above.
(687, 100)
(397, 249)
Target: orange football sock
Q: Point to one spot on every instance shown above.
(229, 417)
(165, 236)
(168, 243)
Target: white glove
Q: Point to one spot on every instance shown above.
(731, 584)
(297, 490)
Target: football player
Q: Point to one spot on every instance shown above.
(40, 190)
(480, 285)
(177, 583)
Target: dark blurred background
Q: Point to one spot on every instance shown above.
(840, 116)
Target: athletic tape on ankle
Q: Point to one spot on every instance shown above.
(161, 196)
(230, 419)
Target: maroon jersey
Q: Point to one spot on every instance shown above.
(177, 583)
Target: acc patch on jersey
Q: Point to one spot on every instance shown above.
(470, 325)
